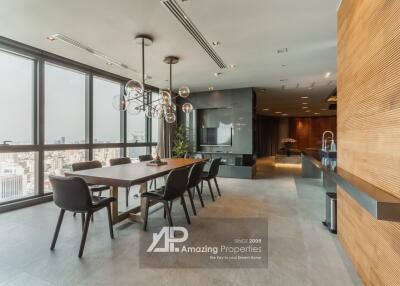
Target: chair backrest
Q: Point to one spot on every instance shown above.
(143, 158)
(176, 183)
(214, 167)
(71, 193)
(86, 165)
(120, 161)
(195, 174)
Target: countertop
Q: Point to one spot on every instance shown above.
(380, 204)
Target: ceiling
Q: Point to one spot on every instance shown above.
(249, 31)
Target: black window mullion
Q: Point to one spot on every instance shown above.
(89, 114)
(40, 126)
(123, 125)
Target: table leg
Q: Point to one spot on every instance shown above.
(139, 217)
(114, 204)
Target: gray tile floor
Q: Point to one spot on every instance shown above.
(300, 250)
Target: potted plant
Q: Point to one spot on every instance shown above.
(181, 142)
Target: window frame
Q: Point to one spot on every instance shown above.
(38, 145)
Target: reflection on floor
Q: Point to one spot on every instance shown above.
(300, 250)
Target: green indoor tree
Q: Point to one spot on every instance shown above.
(181, 142)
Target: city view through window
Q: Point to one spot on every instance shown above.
(65, 113)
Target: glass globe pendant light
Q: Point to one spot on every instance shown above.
(165, 97)
(158, 111)
(120, 102)
(134, 108)
(184, 92)
(134, 88)
(170, 117)
(187, 107)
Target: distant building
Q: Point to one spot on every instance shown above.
(11, 186)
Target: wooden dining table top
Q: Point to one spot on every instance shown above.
(127, 175)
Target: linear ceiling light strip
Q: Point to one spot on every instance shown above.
(177, 11)
(94, 52)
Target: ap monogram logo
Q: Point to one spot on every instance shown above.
(168, 233)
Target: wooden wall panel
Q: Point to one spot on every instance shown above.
(308, 130)
(369, 91)
(372, 245)
(369, 130)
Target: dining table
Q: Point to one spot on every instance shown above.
(128, 175)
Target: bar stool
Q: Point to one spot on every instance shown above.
(72, 194)
(175, 186)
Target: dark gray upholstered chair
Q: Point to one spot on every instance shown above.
(145, 158)
(121, 161)
(72, 194)
(175, 186)
(96, 190)
(195, 177)
(212, 175)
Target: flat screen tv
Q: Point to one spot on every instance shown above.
(216, 136)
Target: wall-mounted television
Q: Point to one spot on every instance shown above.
(216, 136)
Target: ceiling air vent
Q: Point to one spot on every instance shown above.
(282, 50)
(179, 14)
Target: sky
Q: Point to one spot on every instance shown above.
(64, 104)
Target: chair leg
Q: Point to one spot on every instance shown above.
(201, 186)
(146, 213)
(211, 191)
(165, 212)
(151, 183)
(57, 231)
(216, 184)
(74, 214)
(185, 209)
(168, 210)
(200, 196)
(83, 220)
(126, 197)
(191, 201)
(84, 234)
(110, 223)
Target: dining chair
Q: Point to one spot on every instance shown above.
(72, 194)
(195, 177)
(94, 189)
(145, 158)
(175, 186)
(211, 174)
(122, 161)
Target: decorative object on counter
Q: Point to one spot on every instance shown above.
(137, 99)
(157, 160)
(181, 142)
(288, 143)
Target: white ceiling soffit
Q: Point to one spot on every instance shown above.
(250, 34)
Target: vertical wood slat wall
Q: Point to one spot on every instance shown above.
(369, 130)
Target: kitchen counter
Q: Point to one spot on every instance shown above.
(382, 205)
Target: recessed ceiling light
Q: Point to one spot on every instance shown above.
(324, 109)
(232, 66)
(307, 110)
(304, 103)
(108, 63)
(51, 38)
(316, 113)
(211, 88)
(216, 43)
(263, 90)
(217, 74)
(266, 109)
(282, 50)
(304, 107)
(305, 97)
(327, 75)
(278, 112)
(285, 114)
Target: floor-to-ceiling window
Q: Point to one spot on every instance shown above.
(55, 112)
(17, 169)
